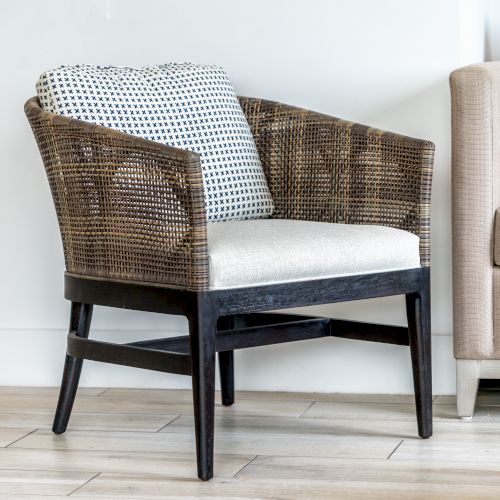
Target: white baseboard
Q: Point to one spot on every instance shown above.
(35, 357)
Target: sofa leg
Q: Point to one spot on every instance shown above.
(226, 371)
(81, 316)
(419, 328)
(467, 384)
(202, 330)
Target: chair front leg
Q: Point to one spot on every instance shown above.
(81, 316)
(418, 309)
(202, 330)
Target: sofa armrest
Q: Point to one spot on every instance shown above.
(322, 168)
(475, 101)
(128, 208)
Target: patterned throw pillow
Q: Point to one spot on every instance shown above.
(183, 105)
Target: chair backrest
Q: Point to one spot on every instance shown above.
(322, 168)
(128, 208)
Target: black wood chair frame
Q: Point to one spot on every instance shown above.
(224, 320)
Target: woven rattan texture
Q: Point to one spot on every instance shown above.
(132, 209)
(128, 208)
(321, 168)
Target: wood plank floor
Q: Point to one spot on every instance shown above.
(139, 444)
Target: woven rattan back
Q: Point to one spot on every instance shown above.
(324, 169)
(133, 209)
(128, 208)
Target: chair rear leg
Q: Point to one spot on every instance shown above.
(226, 371)
(418, 310)
(81, 316)
(202, 329)
(226, 365)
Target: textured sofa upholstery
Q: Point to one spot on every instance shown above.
(475, 103)
(496, 244)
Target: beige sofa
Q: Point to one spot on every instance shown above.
(475, 103)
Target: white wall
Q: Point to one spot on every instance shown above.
(382, 63)
(492, 33)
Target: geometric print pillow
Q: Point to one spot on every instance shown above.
(183, 105)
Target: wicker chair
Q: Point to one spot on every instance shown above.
(132, 219)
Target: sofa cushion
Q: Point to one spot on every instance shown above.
(265, 252)
(183, 105)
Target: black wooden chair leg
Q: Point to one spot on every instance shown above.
(202, 329)
(419, 326)
(81, 316)
(226, 364)
(226, 371)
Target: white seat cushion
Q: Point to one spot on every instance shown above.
(270, 251)
(183, 105)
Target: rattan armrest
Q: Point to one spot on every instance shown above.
(128, 208)
(325, 169)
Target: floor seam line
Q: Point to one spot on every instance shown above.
(84, 484)
(22, 437)
(135, 452)
(393, 451)
(246, 465)
(307, 409)
(167, 424)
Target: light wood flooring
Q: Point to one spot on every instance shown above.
(139, 444)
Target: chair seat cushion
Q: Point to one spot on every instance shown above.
(271, 251)
(183, 105)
